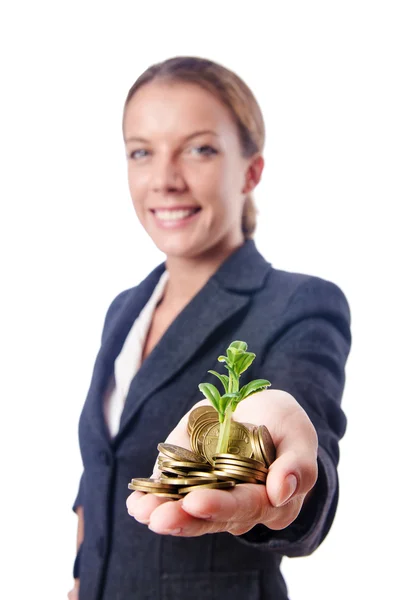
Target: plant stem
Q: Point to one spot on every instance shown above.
(224, 429)
(224, 432)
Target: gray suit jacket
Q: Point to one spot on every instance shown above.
(299, 328)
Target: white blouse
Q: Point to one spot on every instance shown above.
(129, 360)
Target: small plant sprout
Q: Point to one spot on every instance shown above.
(236, 362)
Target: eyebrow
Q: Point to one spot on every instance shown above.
(188, 137)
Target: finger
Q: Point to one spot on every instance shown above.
(294, 472)
(238, 510)
(171, 519)
(141, 505)
(246, 502)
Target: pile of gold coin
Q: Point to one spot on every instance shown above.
(250, 453)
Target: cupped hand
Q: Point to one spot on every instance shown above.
(277, 504)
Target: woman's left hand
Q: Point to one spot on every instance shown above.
(277, 504)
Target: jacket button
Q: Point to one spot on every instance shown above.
(104, 458)
(100, 546)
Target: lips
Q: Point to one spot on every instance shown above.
(175, 216)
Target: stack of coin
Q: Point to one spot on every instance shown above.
(250, 453)
(244, 470)
(181, 472)
(245, 439)
(263, 446)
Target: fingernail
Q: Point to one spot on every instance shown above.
(143, 521)
(288, 488)
(167, 531)
(197, 514)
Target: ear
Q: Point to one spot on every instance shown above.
(253, 173)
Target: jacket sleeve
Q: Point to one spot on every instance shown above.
(79, 501)
(307, 358)
(80, 495)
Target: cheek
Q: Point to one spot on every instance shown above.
(209, 183)
(137, 183)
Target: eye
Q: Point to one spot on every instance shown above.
(135, 154)
(205, 150)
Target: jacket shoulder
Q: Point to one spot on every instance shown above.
(116, 306)
(302, 289)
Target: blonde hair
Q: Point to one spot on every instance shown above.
(232, 91)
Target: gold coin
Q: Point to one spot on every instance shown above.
(240, 464)
(203, 420)
(205, 474)
(185, 480)
(148, 482)
(244, 470)
(245, 462)
(184, 464)
(267, 445)
(178, 453)
(193, 442)
(202, 432)
(165, 495)
(219, 485)
(197, 412)
(239, 441)
(206, 418)
(249, 426)
(196, 431)
(257, 452)
(173, 471)
(229, 473)
(227, 455)
(147, 490)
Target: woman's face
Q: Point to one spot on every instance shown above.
(187, 178)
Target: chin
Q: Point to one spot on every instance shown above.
(179, 248)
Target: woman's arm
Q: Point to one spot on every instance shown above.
(306, 365)
(80, 526)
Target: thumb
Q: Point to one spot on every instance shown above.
(290, 475)
(179, 437)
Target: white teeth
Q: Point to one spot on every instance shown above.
(173, 215)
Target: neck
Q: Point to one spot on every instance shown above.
(188, 275)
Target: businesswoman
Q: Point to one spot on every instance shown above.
(194, 138)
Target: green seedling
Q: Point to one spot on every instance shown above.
(236, 361)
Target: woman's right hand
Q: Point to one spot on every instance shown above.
(74, 593)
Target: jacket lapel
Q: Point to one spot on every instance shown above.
(225, 293)
(114, 335)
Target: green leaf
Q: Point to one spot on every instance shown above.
(234, 404)
(222, 358)
(226, 400)
(244, 362)
(232, 355)
(241, 346)
(211, 393)
(223, 378)
(252, 387)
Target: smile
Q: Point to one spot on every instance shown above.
(174, 218)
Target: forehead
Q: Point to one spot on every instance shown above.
(167, 108)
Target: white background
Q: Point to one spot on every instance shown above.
(324, 74)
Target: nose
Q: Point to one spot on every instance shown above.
(166, 175)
